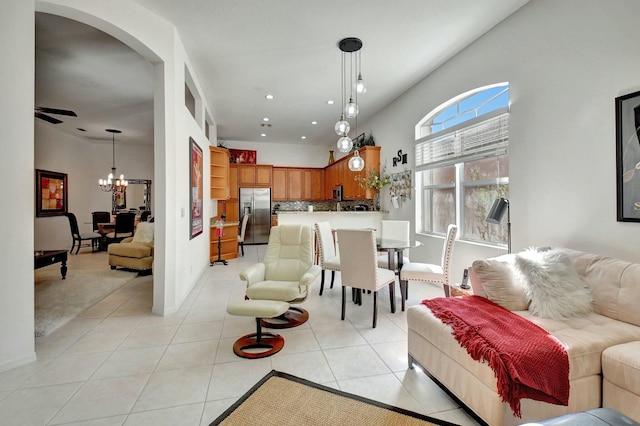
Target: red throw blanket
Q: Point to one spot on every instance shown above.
(528, 362)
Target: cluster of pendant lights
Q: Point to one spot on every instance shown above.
(352, 81)
(109, 184)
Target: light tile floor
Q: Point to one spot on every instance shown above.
(118, 364)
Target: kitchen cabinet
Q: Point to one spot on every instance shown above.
(338, 173)
(219, 176)
(233, 181)
(254, 175)
(313, 185)
(279, 184)
(297, 184)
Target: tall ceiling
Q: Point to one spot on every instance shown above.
(243, 50)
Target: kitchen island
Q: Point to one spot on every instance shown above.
(343, 219)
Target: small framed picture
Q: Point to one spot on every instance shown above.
(51, 193)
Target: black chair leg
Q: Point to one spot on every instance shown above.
(344, 301)
(79, 244)
(403, 290)
(242, 248)
(321, 282)
(392, 296)
(333, 277)
(375, 309)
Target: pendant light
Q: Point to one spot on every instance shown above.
(349, 45)
(356, 163)
(108, 184)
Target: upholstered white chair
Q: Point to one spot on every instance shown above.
(285, 274)
(243, 228)
(329, 259)
(359, 268)
(428, 272)
(394, 230)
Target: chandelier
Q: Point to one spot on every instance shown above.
(352, 84)
(109, 184)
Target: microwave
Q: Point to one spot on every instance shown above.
(337, 193)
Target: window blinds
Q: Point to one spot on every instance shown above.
(489, 137)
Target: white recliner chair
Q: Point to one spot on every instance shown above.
(285, 274)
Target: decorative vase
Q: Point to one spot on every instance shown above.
(376, 201)
(331, 159)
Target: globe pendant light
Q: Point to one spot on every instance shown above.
(356, 163)
(349, 45)
(345, 144)
(342, 126)
(351, 109)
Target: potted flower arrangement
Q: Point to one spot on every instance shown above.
(375, 181)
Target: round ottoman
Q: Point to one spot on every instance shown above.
(249, 346)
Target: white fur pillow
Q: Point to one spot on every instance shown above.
(553, 284)
(144, 233)
(499, 283)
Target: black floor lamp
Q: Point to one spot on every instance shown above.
(495, 216)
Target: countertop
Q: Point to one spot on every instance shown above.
(326, 212)
(226, 224)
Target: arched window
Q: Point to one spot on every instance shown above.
(462, 164)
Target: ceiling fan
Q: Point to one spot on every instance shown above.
(40, 113)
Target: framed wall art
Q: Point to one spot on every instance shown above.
(242, 156)
(51, 193)
(628, 157)
(195, 189)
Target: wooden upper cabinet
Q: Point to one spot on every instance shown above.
(338, 173)
(253, 175)
(295, 184)
(313, 185)
(219, 177)
(279, 184)
(263, 175)
(233, 181)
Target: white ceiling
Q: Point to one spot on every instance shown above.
(243, 50)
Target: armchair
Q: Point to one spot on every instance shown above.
(134, 252)
(285, 274)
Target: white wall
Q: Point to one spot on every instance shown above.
(84, 162)
(16, 166)
(565, 62)
(178, 261)
(297, 155)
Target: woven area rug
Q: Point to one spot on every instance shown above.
(282, 399)
(58, 301)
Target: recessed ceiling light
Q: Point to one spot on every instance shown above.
(81, 129)
(314, 122)
(303, 137)
(265, 119)
(330, 102)
(269, 97)
(263, 134)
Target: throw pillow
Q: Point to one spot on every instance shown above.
(144, 233)
(553, 284)
(500, 284)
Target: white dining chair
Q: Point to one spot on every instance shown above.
(243, 229)
(395, 230)
(359, 268)
(429, 272)
(327, 254)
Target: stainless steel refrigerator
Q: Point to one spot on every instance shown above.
(257, 203)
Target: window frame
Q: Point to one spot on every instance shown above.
(454, 154)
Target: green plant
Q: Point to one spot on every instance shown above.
(374, 180)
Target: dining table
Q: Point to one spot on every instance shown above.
(397, 247)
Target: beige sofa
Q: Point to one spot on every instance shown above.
(134, 252)
(603, 349)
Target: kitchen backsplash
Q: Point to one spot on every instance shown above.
(320, 206)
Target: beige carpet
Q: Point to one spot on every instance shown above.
(280, 399)
(58, 301)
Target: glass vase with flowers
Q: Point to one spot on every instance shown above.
(375, 181)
